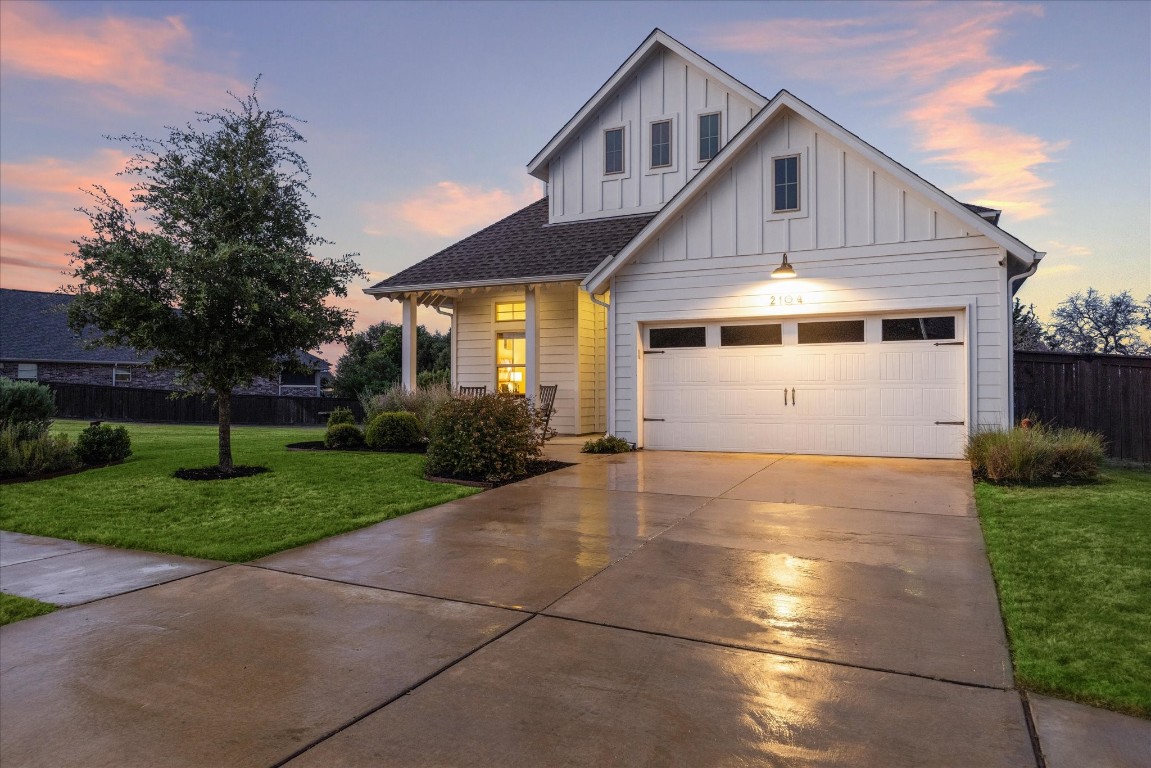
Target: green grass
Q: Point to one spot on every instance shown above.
(1073, 566)
(13, 608)
(139, 505)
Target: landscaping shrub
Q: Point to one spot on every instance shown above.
(607, 444)
(1034, 455)
(440, 378)
(23, 456)
(423, 402)
(397, 430)
(344, 436)
(341, 416)
(26, 402)
(103, 444)
(490, 438)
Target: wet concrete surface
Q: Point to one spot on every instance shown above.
(1076, 736)
(90, 572)
(238, 667)
(561, 693)
(821, 628)
(20, 547)
(518, 546)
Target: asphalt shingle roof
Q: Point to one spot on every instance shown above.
(520, 247)
(34, 328)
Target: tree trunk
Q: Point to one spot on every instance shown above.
(224, 406)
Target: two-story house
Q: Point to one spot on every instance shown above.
(715, 270)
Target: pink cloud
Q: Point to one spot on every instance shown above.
(940, 62)
(137, 58)
(449, 209)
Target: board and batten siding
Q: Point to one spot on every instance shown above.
(861, 243)
(666, 87)
(561, 358)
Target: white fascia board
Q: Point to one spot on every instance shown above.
(399, 290)
(785, 100)
(538, 166)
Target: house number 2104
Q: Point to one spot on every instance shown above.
(781, 300)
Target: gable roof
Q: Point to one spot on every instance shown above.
(598, 279)
(34, 329)
(522, 248)
(538, 166)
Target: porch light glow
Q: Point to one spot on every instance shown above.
(784, 271)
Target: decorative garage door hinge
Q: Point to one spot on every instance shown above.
(955, 423)
(949, 343)
(653, 351)
(645, 418)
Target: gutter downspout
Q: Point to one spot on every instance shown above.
(1012, 289)
(610, 384)
(452, 349)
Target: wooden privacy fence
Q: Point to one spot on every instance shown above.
(1109, 394)
(84, 401)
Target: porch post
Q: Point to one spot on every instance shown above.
(408, 344)
(532, 342)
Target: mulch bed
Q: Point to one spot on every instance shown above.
(214, 473)
(318, 445)
(541, 467)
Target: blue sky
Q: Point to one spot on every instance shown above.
(422, 116)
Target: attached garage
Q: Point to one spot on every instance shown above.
(877, 385)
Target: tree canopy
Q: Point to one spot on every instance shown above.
(222, 284)
(1028, 331)
(374, 357)
(1090, 322)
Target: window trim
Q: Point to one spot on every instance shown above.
(513, 365)
(117, 370)
(719, 142)
(623, 172)
(496, 311)
(35, 371)
(799, 185)
(802, 178)
(650, 160)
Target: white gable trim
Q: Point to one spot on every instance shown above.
(538, 166)
(603, 273)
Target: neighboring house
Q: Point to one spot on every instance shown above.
(647, 283)
(37, 344)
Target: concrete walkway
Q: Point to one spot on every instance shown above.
(651, 609)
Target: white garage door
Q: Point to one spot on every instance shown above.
(891, 385)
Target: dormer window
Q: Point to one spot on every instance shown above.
(785, 180)
(613, 150)
(661, 144)
(709, 125)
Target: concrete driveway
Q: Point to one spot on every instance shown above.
(645, 609)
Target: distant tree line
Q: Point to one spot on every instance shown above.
(1086, 321)
(374, 357)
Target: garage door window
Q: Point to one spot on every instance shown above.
(750, 335)
(831, 332)
(667, 338)
(919, 328)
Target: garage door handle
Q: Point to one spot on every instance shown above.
(793, 395)
(955, 423)
(785, 395)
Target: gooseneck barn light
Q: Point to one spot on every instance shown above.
(784, 270)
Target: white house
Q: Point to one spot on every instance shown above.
(715, 270)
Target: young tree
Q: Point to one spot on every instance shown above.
(1028, 331)
(374, 356)
(1090, 322)
(222, 284)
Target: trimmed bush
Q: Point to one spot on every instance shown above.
(607, 444)
(394, 431)
(1035, 455)
(344, 437)
(103, 444)
(490, 438)
(341, 416)
(423, 402)
(21, 456)
(26, 402)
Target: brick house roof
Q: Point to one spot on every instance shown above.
(519, 249)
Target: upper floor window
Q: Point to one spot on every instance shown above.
(512, 310)
(708, 136)
(613, 150)
(26, 371)
(785, 176)
(661, 144)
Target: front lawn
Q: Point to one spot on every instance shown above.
(15, 608)
(139, 505)
(1073, 566)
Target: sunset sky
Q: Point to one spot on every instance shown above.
(422, 116)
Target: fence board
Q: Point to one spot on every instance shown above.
(1109, 394)
(84, 401)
